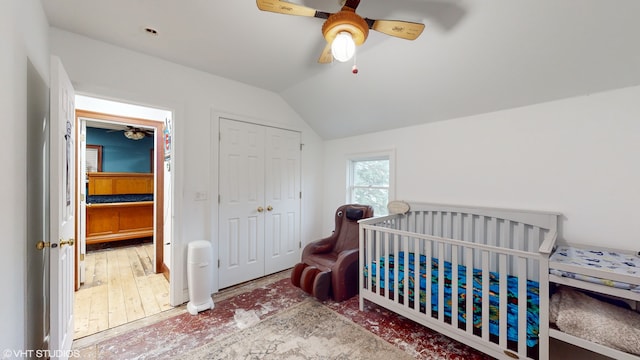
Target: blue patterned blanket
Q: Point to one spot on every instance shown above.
(106, 199)
(533, 299)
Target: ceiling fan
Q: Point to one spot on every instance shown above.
(344, 30)
(134, 133)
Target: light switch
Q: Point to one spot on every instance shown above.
(201, 195)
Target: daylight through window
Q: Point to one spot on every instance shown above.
(369, 183)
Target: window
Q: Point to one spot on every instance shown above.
(369, 182)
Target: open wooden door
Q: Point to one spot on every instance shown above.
(62, 161)
(81, 232)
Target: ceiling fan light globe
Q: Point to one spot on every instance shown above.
(343, 47)
(133, 135)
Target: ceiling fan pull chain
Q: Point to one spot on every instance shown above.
(354, 69)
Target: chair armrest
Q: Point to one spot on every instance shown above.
(346, 258)
(344, 275)
(321, 246)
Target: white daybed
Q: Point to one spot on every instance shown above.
(612, 273)
(508, 251)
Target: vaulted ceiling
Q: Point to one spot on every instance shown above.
(473, 56)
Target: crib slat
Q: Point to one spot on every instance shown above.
(361, 264)
(467, 229)
(503, 233)
(416, 275)
(386, 265)
(367, 262)
(378, 240)
(478, 235)
(405, 247)
(485, 295)
(469, 311)
(447, 225)
(492, 232)
(543, 314)
(428, 254)
(503, 300)
(371, 237)
(441, 282)
(454, 285)
(396, 267)
(522, 306)
(519, 236)
(535, 240)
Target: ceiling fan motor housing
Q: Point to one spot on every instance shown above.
(346, 20)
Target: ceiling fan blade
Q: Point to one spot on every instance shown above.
(402, 29)
(352, 4)
(282, 7)
(326, 57)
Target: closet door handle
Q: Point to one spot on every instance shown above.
(269, 208)
(260, 209)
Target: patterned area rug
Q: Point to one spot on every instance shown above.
(279, 321)
(307, 330)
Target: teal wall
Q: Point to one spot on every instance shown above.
(120, 154)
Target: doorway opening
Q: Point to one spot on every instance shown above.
(123, 224)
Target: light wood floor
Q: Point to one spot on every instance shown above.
(120, 287)
(87, 345)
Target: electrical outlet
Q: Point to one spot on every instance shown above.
(201, 195)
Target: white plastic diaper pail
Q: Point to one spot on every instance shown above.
(199, 275)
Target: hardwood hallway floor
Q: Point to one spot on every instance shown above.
(120, 287)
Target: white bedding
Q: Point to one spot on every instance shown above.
(606, 261)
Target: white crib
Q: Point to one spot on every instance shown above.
(508, 251)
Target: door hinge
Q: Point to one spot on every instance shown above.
(301, 146)
(300, 245)
(219, 136)
(81, 257)
(219, 197)
(300, 194)
(218, 263)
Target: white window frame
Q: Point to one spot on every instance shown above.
(389, 155)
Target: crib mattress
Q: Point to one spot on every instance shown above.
(533, 300)
(605, 261)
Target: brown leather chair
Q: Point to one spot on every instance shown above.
(329, 267)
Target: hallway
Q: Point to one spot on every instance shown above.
(120, 287)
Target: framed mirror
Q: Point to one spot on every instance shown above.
(94, 158)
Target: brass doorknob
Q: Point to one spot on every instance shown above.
(69, 242)
(260, 209)
(41, 245)
(269, 208)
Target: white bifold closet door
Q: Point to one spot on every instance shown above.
(259, 201)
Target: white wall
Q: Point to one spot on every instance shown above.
(23, 35)
(579, 157)
(195, 97)
(119, 108)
